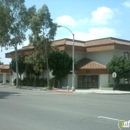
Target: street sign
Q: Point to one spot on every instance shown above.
(72, 71)
(114, 75)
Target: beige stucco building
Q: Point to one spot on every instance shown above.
(92, 57)
(5, 74)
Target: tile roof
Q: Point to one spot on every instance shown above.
(4, 67)
(78, 43)
(104, 41)
(86, 63)
(68, 41)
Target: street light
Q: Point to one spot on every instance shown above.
(73, 76)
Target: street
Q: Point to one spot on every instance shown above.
(42, 110)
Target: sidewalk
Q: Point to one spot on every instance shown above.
(80, 91)
(89, 91)
(98, 91)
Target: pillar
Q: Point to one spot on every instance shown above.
(4, 78)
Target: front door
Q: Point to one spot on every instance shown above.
(87, 81)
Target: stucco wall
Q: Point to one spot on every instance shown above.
(8, 77)
(118, 53)
(70, 80)
(101, 56)
(1, 77)
(103, 81)
(77, 55)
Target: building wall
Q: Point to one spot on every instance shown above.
(118, 53)
(8, 78)
(103, 81)
(1, 77)
(70, 80)
(77, 55)
(100, 56)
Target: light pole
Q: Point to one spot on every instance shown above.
(73, 76)
(16, 62)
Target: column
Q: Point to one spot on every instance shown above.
(11, 79)
(103, 81)
(4, 78)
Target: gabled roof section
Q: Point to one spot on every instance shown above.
(27, 47)
(106, 41)
(67, 41)
(4, 66)
(5, 69)
(86, 63)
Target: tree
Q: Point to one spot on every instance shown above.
(43, 32)
(1, 63)
(121, 66)
(60, 63)
(17, 19)
(127, 70)
(5, 23)
(21, 65)
(35, 64)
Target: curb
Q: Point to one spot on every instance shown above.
(61, 91)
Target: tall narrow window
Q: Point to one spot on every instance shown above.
(126, 55)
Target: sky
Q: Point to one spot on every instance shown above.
(87, 19)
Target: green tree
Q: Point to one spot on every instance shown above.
(43, 32)
(118, 65)
(16, 18)
(21, 65)
(5, 23)
(60, 63)
(126, 73)
(36, 64)
(29, 69)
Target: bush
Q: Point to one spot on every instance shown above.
(19, 82)
(110, 85)
(123, 87)
(7, 81)
(32, 82)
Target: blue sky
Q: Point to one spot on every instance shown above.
(87, 19)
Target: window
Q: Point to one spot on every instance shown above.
(126, 81)
(126, 55)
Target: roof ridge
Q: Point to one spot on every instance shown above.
(86, 63)
(94, 61)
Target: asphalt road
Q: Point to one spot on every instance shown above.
(40, 110)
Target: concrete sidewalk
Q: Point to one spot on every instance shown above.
(82, 91)
(101, 91)
(89, 91)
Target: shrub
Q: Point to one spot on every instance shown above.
(123, 87)
(19, 82)
(110, 84)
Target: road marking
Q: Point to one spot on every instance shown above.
(109, 118)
